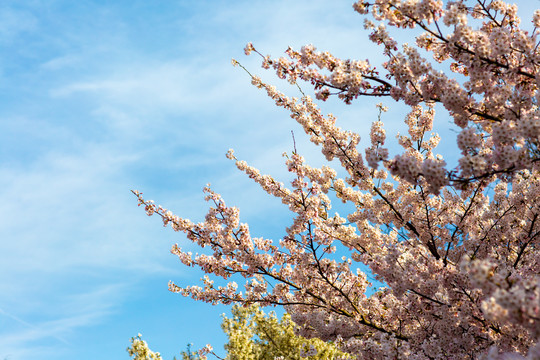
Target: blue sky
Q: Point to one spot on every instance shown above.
(101, 97)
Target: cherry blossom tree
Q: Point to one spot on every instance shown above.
(457, 247)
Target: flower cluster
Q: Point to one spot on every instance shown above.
(497, 58)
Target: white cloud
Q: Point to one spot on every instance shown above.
(61, 62)
(26, 339)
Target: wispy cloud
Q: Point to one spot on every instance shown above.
(35, 338)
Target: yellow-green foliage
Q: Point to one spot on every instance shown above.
(254, 335)
(140, 351)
